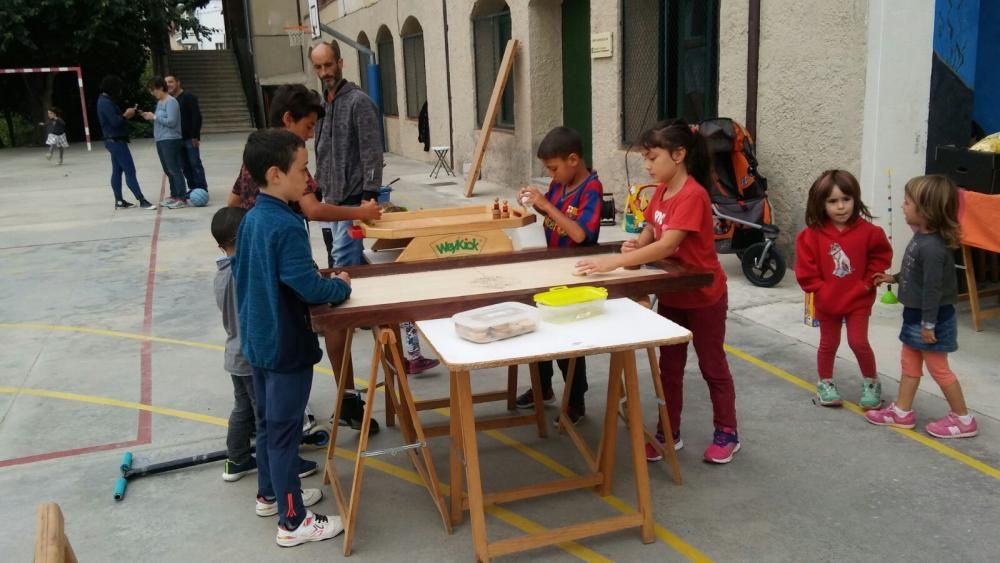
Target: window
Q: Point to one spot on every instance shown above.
(363, 62)
(387, 63)
(491, 31)
(684, 57)
(413, 65)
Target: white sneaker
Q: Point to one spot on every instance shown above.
(270, 507)
(315, 527)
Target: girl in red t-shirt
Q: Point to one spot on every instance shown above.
(837, 257)
(679, 225)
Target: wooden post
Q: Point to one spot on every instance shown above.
(491, 114)
(52, 545)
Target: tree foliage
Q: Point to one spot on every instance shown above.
(101, 36)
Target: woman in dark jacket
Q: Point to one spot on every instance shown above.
(114, 125)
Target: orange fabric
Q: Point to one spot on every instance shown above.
(937, 364)
(978, 215)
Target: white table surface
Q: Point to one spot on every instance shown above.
(624, 325)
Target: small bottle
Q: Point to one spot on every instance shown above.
(496, 208)
(505, 211)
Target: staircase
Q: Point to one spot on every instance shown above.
(214, 77)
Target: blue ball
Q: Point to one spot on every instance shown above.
(198, 197)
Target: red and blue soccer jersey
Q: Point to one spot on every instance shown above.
(581, 204)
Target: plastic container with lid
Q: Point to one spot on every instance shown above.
(496, 322)
(565, 304)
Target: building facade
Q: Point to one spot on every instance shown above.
(837, 84)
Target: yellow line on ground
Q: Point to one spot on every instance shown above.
(915, 436)
(515, 520)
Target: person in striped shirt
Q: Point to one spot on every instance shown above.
(571, 211)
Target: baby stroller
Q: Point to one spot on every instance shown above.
(744, 224)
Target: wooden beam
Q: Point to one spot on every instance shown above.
(491, 114)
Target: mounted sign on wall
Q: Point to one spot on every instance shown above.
(600, 45)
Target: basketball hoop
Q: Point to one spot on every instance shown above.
(298, 35)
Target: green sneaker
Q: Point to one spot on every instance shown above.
(826, 391)
(871, 394)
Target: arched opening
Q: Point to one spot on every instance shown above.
(491, 30)
(415, 73)
(363, 61)
(386, 51)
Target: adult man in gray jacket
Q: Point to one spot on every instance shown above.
(348, 148)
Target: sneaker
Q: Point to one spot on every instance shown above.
(315, 527)
(48, 156)
(575, 414)
(269, 507)
(177, 203)
(889, 417)
(653, 454)
(307, 468)
(164, 202)
(723, 447)
(123, 204)
(871, 394)
(352, 410)
(827, 394)
(233, 471)
(526, 400)
(420, 364)
(951, 427)
(146, 205)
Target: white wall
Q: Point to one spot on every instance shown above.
(897, 98)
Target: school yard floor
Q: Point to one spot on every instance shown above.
(111, 342)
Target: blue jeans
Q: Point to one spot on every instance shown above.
(194, 172)
(281, 399)
(121, 162)
(171, 153)
(346, 251)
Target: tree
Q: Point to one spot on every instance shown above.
(101, 36)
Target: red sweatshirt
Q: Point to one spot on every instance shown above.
(838, 266)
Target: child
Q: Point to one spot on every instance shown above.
(239, 462)
(680, 226)
(276, 280)
(169, 142)
(837, 257)
(55, 129)
(572, 210)
(928, 290)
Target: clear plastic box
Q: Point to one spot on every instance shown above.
(566, 304)
(496, 322)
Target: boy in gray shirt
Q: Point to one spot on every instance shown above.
(242, 421)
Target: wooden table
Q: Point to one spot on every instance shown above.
(624, 328)
(385, 295)
(445, 232)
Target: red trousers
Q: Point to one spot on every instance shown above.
(857, 339)
(708, 327)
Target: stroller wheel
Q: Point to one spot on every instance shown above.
(766, 271)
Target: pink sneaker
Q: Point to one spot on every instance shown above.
(653, 454)
(419, 365)
(725, 444)
(951, 427)
(888, 417)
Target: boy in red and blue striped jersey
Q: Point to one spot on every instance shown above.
(572, 216)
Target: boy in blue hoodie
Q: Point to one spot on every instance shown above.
(276, 281)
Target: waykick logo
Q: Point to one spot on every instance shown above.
(458, 246)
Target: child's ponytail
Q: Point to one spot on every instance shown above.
(674, 134)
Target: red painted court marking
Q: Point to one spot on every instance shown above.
(144, 434)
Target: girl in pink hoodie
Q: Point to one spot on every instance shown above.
(837, 257)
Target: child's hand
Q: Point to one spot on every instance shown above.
(598, 265)
(630, 245)
(529, 196)
(343, 276)
(881, 278)
(148, 116)
(370, 210)
(927, 335)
